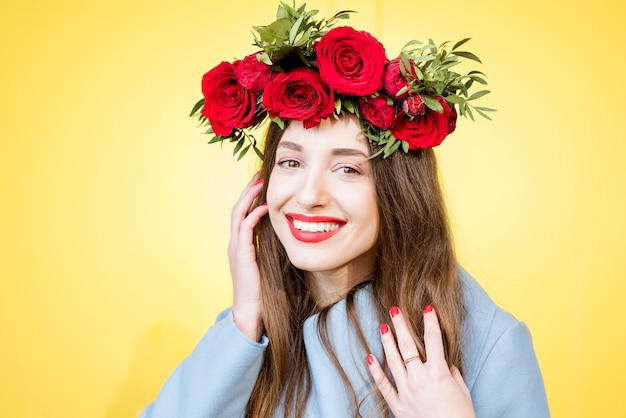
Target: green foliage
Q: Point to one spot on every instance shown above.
(293, 33)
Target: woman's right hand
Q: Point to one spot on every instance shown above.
(247, 301)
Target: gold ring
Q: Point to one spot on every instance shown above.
(410, 359)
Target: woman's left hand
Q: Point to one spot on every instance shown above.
(422, 389)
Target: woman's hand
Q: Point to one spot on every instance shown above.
(426, 389)
(247, 301)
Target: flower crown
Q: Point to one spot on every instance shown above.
(306, 71)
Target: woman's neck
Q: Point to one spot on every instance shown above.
(329, 287)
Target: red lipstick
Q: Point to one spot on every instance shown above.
(312, 237)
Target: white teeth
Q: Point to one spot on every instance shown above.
(314, 226)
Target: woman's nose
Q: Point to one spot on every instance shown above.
(313, 189)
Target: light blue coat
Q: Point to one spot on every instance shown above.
(216, 380)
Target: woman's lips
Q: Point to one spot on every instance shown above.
(313, 228)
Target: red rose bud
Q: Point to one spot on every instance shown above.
(394, 80)
(351, 62)
(227, 103)
(414, 106)
(254, 74)
(423, 131)
(300, 94)
(377, 111)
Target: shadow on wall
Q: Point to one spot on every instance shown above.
(151, 365)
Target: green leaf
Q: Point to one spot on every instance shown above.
(303, 37)
(432, 103)
(486, 109)
(469, 113)
(453, 98)
(348, 105)
(259, 153)
(197, 107)
(478, 95)
(479, 79)
(411, 43)
(276, 33)
(238, 146)
(216, 139)
(344, 14)
(295, 28)
(461, 42)
(264, 58)
(376, 154)
(337, 105)
(483, 114)
(402, 91)
(282, 12)
(468, 55)
(243, 152)
(425, 58)
(392, 146)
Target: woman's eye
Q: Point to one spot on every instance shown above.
(348, 170)
(289, 163)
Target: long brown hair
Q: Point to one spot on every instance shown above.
(416, 267)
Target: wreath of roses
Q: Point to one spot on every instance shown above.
(307, 71)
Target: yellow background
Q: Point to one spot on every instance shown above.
(114, 211)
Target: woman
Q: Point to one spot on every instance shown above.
(348, 300)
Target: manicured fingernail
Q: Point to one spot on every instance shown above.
(259, 181)
(394, 311)
(428, 308)
(384, 328)
(370, 359)
(264, 204)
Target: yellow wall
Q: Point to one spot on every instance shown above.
(114, 211)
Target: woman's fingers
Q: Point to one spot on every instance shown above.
(246, 230)
(382, 382)
(406, 344)
(244, 203)
(394, 359)
(433, 341)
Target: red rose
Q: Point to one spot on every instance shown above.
(300, 94)
(425, 131)
(227, 104)
(254, 74)
(351, 62)
(394, 80)
(452, 120)
(414, 106)
(377, 111)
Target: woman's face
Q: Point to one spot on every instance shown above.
(322, 200)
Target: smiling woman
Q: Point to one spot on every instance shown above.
(322, 187)
(343, 230)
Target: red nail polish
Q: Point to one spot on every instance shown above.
(384, 328)
(259, 181)
(428, 308)
(264, 204)
(370, 359)
(394, 311)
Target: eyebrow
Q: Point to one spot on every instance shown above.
(335, 151)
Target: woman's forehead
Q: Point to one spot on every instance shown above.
(342, 133)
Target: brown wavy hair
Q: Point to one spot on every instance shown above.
(416, 267)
